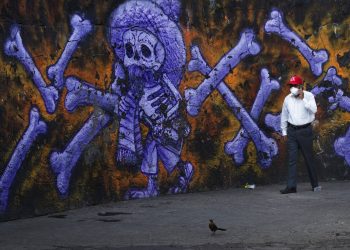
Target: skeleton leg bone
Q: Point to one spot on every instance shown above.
(266, 147)
(186, 174)
(152, 189)
(35, 128)
(277, 25)
(150, 169)
(170, 157)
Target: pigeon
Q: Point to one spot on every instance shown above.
(213, 227)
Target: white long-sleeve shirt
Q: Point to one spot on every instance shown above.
(298, 111)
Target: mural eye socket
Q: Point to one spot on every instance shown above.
(146, 52)
(129, 50)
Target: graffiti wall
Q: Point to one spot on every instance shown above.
(114, 100)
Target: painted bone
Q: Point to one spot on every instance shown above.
(82, 94)
(63, 163)
(237, 146)
(78, 94)
(14, 47)
(331, 76)
(315, 58)
(266, 147)
(339, 100)
(81, 28)
(35, 128)
(245, 47)
(342, 146)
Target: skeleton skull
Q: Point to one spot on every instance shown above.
(142, 48)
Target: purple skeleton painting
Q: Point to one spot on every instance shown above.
(150, 57)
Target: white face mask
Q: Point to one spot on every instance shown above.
(294, 91)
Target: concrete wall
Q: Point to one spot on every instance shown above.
(81, 124)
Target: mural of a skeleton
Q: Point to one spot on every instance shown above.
(149, 65)
(149, 62)
(150, 55)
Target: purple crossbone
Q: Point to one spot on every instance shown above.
(342, 146)
(63, 163)
(78, 94)
(245, 47)
(236, 147)
(14, 47)
(35, 128)
(277, 25)
(266, 147)
(81, 28)
(273, 121)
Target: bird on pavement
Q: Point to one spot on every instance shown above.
(213, 227)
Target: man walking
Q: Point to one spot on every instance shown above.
(298, 112)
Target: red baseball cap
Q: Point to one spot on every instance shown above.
(295, 80)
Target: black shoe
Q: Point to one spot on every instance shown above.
(288, 190)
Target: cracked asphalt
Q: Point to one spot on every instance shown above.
(255, 219)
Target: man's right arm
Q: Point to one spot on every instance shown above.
(284, 118)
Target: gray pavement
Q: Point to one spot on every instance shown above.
(254, 219)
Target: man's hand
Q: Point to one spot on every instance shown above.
(279, 137)
(301, 94)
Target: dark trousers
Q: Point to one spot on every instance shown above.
(300, 138)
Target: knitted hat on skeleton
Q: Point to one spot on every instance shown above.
(158, 17)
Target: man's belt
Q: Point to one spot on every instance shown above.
(299, 126)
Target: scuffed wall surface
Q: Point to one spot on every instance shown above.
(215, 28)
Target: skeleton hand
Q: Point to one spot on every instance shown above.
(158, 107)
(126, 102)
